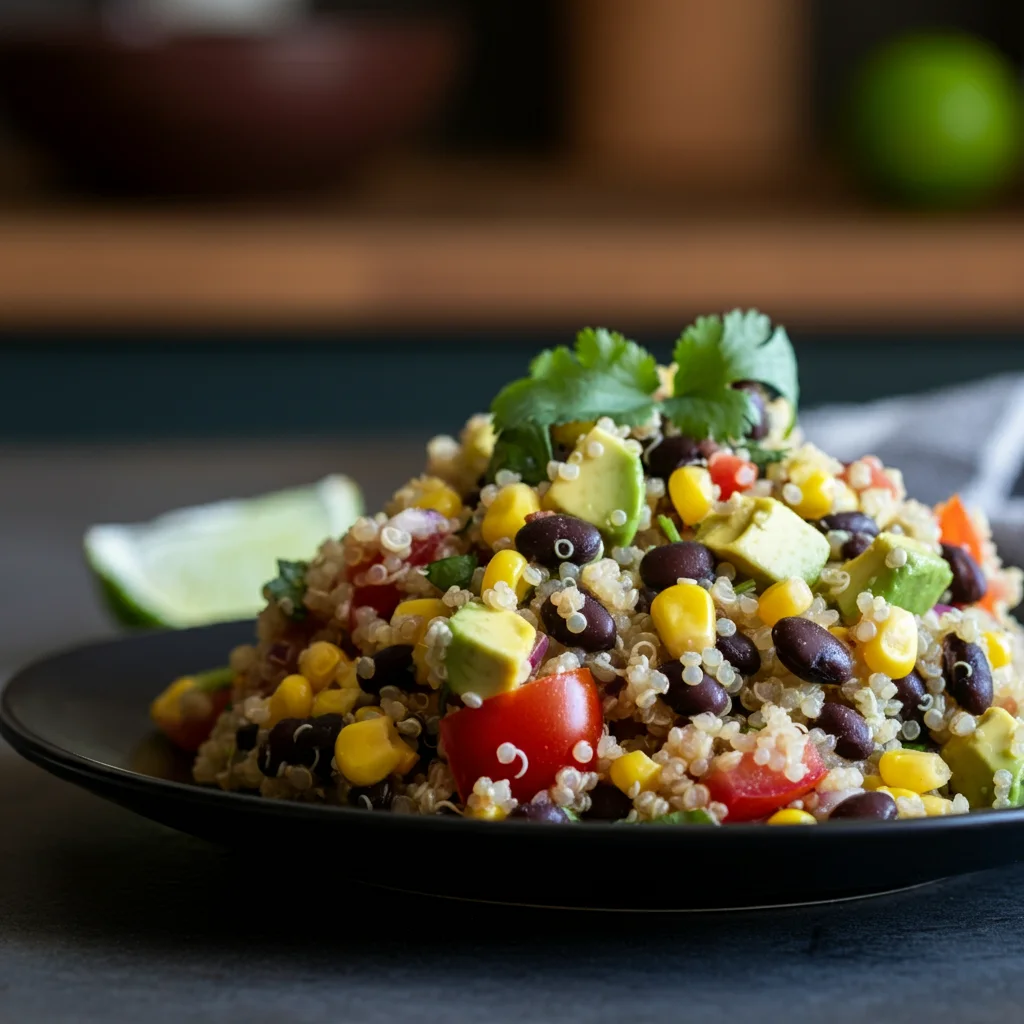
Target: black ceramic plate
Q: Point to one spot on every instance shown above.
(82, 715)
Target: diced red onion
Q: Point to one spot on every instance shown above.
(540, 648)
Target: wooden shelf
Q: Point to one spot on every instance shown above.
(516, 249)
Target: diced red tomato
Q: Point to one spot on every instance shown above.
(958, 528)
(879, 478)
(731, 473)
(753, 791)
(543, 720)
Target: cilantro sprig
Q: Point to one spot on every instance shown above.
(288, 588)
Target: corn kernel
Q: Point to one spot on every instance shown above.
(506, 567)
(845, 498)
(293, 698)
(841, 633)
(367, 752)
(425, 609)
(166, 709)
(507, 513)
(334, 702)
(319, 663)
(1000, 650)
(440, 499)
(478, 438)
(691, 492)
(916, 808)
(684, 616)
(785, 598)
(817, 487)
(896, 792)
(873, 782)
(568, 434)
(489, 812)
(792, 816)
(916, 770)
(937, 806)
(370, 711)
(632, 769)
(893, 651)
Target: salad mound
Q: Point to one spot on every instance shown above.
(633, 593)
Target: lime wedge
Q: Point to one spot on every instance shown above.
(209, 564)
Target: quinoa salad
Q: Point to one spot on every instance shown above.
(633, 593)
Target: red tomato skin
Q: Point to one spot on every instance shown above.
(751, 791)
(192, 733)
(545, 719)
(879, 479)
(724, 469)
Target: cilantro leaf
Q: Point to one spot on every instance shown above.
(525, 450)
(713, 354)
(762, 457)
(288, 588)
(606, 375)
(456, 571)
(669, 529)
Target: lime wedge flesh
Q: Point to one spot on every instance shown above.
(209, 564)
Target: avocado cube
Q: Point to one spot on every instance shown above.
(916, 585)
(766, 540)
(975, 758)
(490, 650)
(609, 491)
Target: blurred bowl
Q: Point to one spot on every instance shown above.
(224, 114)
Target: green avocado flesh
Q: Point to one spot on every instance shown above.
(607, 483)
(488, 650)
(974, 759)
(766, 540)
(916, 585)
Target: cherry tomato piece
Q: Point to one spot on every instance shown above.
(731, 473)
(525, 735)
(879, 478)
(753, 791)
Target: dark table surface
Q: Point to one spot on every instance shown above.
(107, 917)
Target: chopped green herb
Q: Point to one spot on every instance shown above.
(716, 352)
(606, 375)
(697, 817)
(669, 529)
(570, 814)
(762, 457)
(215, 679)
(456, 571)
(915, 746)
(745, 587)
(525, 450)
(288, 588)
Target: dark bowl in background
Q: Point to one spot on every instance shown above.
(226, 115)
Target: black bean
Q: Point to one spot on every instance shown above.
(741, 652)
(687, 700)
(873, 806)
(662, 566)
(672, 452)
(245, 738)
(967, 673)
(853, 737)
(643, 602)
(306, 742)
(856, 545)
(608, 803)
(811, 652)
(543, 811)
(392, 666)
(377, 797)
(598, 635)
(759, 429)
(910, 691)
(851, 522)
(969, 583)
(552, 540)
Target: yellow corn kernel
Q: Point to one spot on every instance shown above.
(873, 782)
(507, 514)
(371, 750)
(792, 816)
(569, 433)
(690, 489)
(785, 598)
(506, 567)
(817, 489)
(845, 498)
(1000, 650)
(334, 702)
(293, 698)
(371, 711)
(166, 709)
(440, 499)
(684, 616)
(896, 792)
(913, 807)
(916, 770)
(893, 650)
(319, 663)
(425, 609)
(634, 769)
(841, 633)
(491, 812)
(937, 806)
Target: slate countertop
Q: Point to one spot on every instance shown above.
(108, 917)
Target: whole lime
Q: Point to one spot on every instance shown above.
(936, 120)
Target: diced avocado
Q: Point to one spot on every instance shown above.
(915, 585)
(609, 491)
(766, 540)
(975, 758)
(488, 651)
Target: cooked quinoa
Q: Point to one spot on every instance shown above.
(657, 623)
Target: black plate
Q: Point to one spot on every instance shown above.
(82, 715)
